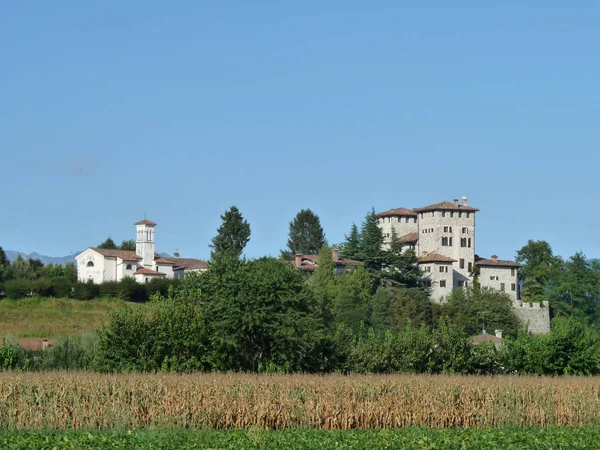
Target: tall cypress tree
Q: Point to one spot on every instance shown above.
(232, 236)
(306, 234)
(351, 246)
(371, 242)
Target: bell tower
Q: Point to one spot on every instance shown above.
(144, 242)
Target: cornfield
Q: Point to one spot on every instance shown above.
(333, 402)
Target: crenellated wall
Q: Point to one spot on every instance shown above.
(535, 315)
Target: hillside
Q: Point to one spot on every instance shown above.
(60, 260)
(52, 318)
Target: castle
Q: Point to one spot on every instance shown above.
(99, 264)
(443, 237)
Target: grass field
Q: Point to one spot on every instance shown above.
(409, 438)
(52, 318)
(276, 402)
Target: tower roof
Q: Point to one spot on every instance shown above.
(448, 206)
(397, 212)
(146, 222)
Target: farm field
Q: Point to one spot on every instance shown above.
(66, 401)
(52, 318)
(408, 438)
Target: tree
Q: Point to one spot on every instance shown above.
(232, 236)
(538, 267)
(127, 245)
(324, 283)
(478, 308)
(108, 244)
(371, 242)
(350, 249)
(4, 265)
(576, 290)
(399, 265)
(306, 235)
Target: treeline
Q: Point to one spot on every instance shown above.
(264, 315)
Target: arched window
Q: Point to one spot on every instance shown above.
(90, 264)
(128, 267)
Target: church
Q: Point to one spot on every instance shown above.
(144, 264)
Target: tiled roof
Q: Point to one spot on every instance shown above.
(435, 257)
(410, 237)
(311, 262)
(397, 212)
(125, 255)
(145, 222)
(447, 206)
(189, 264)
(164, 261)
(144, 271)
(496, 263)
(486, 338)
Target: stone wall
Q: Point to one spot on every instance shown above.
(535, 315)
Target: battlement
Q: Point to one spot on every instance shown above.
(531, 305)
(535, 315)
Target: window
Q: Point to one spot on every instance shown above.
(450, 242)
(469, 243)
(443, 213)
(494, 278)
(502, 286)
(468, 215)
(513, 287)
(462, 263)
(465, 230)
(443, 269)
(461, 283)
(463, 242)
(470, 267)
(406, 220)
(460, 214)
(444, 241)
(445, 229)
(90, 264)
(442, 283)
(512, 272)
(128, 267)
(451, 213)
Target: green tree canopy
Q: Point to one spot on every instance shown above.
(371, 243)
(477, 308)
(538, 268)
(108, 244)
(232, 236)
(127, 245)
(306, 235)
(350, 248)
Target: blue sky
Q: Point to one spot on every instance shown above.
(182, 109)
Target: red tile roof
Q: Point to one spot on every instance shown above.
(144, 271)
(310, 263)
(447, 206)
(125, 255)
(166, 261)
(145, 222)
(496, 263)
(435, 257)
(410, 238)
(397, 212)
(189, 264)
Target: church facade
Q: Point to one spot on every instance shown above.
(144, 264)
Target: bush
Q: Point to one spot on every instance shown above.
(62, 287)
(132, 291)
(109, 289)
(13, 356)
(18, 288)
(42, 287)
(86, 291)
(158, 286)
(68, 353)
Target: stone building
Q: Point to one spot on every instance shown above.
(443, 236)
(143, 264)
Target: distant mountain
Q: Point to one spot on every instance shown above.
(61, 260)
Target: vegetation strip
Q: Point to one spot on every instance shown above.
(412, 438)
(56, 400)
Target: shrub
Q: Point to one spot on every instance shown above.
(132, 291)
(86, 291)
(42, 287)
(13, 356)
(68, 353)
(17, 288)
(109, 289)
(62, 287)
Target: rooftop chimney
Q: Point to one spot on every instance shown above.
(498, 334)
(455, 202)
(464, 200)
(298, 260)
(335, 254)
(494, 257)
(176, 255)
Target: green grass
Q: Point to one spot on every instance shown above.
(410, 438)
(50, 317)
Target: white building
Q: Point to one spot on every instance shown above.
(143, 264)
(443, 236)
